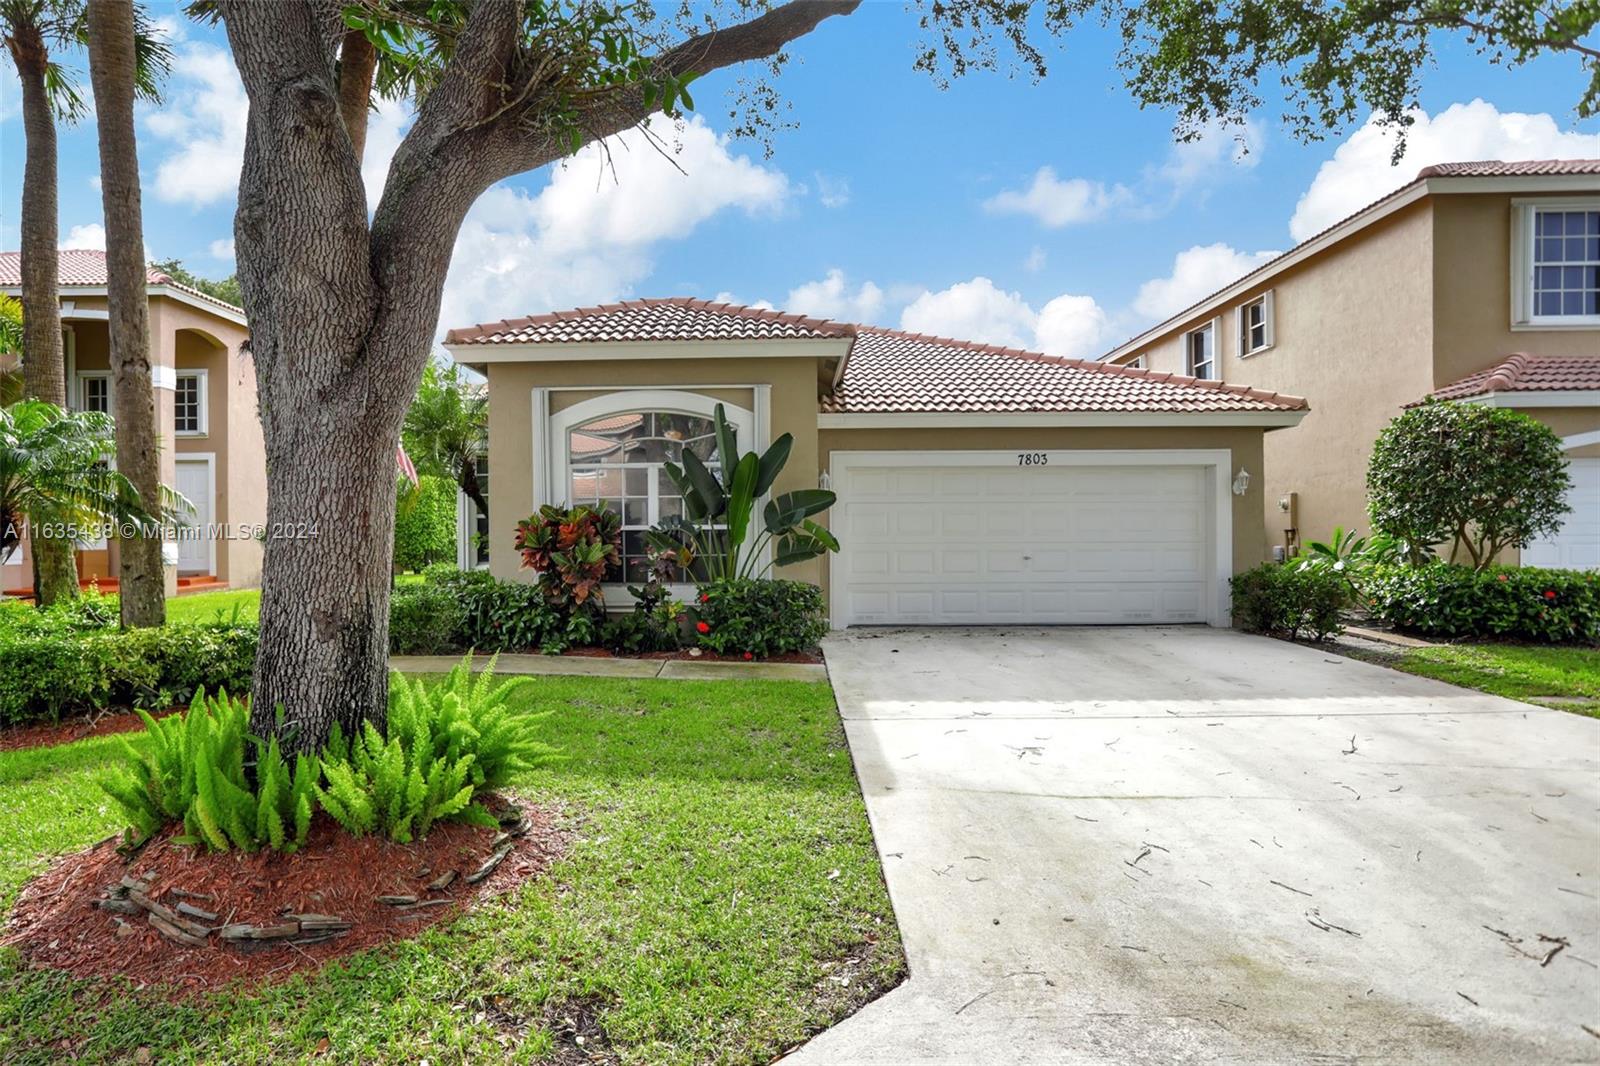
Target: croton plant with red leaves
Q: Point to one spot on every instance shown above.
(572, 550)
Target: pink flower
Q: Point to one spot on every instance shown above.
(1501, 577)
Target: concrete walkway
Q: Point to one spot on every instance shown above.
(1172, 845)
(579, 666)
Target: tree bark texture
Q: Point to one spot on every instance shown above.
(43, 362)
(141, 584)
(343, 313)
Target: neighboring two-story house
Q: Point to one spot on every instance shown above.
(210, 435)
(1476, 282)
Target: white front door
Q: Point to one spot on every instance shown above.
(1576, 545)
(193, 477)
(1049, 538)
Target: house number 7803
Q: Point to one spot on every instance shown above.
(1033, 459)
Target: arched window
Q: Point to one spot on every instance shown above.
(614, 458)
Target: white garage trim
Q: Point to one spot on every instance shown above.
(1218, 460)
(1580, 440)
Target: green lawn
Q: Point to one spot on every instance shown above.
(1555, 677)
(205, 606)
(723, 862)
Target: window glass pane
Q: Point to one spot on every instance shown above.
(1547, 303)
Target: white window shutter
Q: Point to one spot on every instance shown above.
(1269, 318)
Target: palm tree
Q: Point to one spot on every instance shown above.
(447, 427)
(115, 27)
(54, 476)
(31, 29)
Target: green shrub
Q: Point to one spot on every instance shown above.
(446, 744)
(1290, 601)
(502, 615)
(1481, 479)
(192, 768)
(1524, 603)
(425, 524)
(49, 668)
(424, 620)
(760, 617)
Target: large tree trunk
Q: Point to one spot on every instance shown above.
(343, 312)
(358, 61)
(111, 67)
(43, 364)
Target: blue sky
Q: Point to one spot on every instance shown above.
(1055, 215)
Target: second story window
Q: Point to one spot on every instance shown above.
(94, 393)
(1255, 325)
(1200, 348)
(1557, 267)
(189, 403)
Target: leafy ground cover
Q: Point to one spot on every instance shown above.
(1566, 678)
(721, 901)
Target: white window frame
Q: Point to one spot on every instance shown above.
(1523, 233)
(1264, 301)
(80, 399)
(202, 397)
(1216, 353)
(559, 424)
(1137, 362)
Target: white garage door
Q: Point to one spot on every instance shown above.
(1054, 540)
(1577, 545)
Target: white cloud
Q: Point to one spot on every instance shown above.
(1219, 147)
(1360, 170)
(726, 297)
(204, 118)
(1035, 261)
(386, 128)
(1056, 202)
(832, 297)
(95, 183)
(831, 191)
(222, 249)
(1196, 272)
(91, 236)
(1074, 326)
(978, 310)
(973, 310)
(587, 235)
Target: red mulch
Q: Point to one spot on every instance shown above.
(704, 656)
(55, 923)
(45, 734)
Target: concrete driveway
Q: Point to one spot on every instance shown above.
(1159, 845)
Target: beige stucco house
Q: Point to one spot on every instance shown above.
(205, 393)
(1476, 282)
(976, 484)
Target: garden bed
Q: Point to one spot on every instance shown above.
(692, 655)
(190, 920)
(45, 734)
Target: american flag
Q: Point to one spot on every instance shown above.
(407, 470)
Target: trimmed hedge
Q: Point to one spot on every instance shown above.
(1523, 603)
(424, 620)
(425, 524)
(1285, 600)
(50, 667)
(759, 617)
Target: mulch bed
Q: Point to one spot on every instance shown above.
(46, 734)
(684, 654)
(192, 920)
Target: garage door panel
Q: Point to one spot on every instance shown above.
(1065, 544)
(1576, 545)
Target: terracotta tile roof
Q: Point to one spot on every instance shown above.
(1527, 373)
(87, 268)
(1500, 168)
(1490, 168)
(672, 319)
(893, 372)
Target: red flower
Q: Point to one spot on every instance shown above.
(705, 597)
(749, 655)
(703, 627)
(1549, 594)
(1501, 577)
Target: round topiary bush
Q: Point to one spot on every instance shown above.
(1481, 479)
